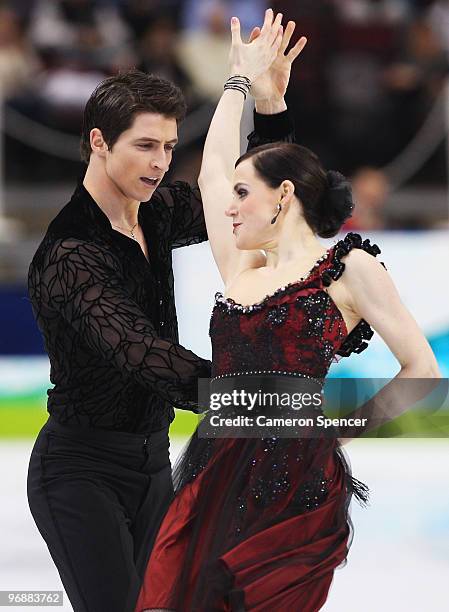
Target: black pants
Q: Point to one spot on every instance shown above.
(98, 498)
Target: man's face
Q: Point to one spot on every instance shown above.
(142, 155)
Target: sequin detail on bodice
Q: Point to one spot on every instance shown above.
(297, 330)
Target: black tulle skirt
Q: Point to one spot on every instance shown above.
(256, 524)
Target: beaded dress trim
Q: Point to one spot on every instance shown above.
(233, 305)
(267, 372)
(356, 340)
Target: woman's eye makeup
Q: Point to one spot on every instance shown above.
(242, 193)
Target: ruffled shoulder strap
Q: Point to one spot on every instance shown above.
(342, 248)
(356, 341)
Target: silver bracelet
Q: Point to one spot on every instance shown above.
(238, 82)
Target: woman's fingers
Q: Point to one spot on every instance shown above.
(278, 40)
(267, 22)
(290, 28)
(235, 31)
(277, 43)
(254, 34)
(274, 31)
(296, 50)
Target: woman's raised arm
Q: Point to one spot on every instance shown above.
(221, 148)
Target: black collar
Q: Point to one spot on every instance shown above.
(91, 208)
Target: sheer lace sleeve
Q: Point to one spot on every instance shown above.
(186, 220)
(81, 282)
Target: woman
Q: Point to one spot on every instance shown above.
(261, 524)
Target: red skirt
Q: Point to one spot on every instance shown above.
(255, 525)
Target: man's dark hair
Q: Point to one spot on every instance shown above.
(117, 100)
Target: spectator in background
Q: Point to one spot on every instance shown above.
(204, 40)
(23, 8)
(309, 95)
(139, 15)
(67, 85)
(18, 62)
(91, 33)
(414, 81)
(203, 54)
(366, 11)
(362, 127)
(422, 62)
(156, 50)
(370, 191)
(196, 13)
(81, 42)
(386, 71)
(438, 17)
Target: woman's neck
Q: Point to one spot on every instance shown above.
(295, 243)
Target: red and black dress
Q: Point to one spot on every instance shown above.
(261, 524)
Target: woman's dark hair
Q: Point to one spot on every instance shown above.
(116, 101)
(326, 197)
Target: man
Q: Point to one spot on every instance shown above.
(101, 286)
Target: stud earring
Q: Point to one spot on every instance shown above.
(273, 220)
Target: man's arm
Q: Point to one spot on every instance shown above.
(79, 281)
(180, 209)
(271, 126)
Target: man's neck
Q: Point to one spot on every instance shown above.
(120, 211)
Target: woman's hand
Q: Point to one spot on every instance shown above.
(222, 146)
(272, 84)
(255, 58)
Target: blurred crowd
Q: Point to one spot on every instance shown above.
(371, 73)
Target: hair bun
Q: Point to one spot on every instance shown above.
(337, 204)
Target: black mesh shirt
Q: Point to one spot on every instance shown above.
(108, 316)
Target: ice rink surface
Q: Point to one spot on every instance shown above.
(399, 560)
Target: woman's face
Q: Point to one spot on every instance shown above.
(252, 208)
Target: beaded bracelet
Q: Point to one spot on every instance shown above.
(238, 82)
